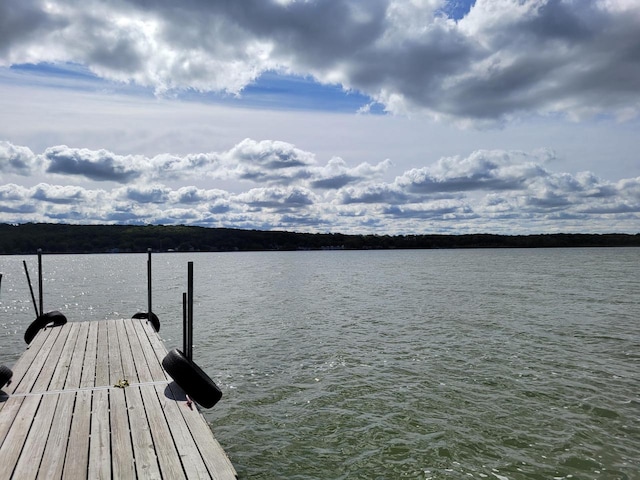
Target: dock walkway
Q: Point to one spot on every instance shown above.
(91, 400)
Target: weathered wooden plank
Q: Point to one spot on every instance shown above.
(59, 376)
(102, 363)
(35, 366)
(52, 357)
(115, 363)
(129, 371)
(8, 415)
(54, 453)
(191, 459)
(88, 378)
(146, 461)
(144, 452)
(15, 438)
(159, 349)
(168, 457)
(34, 445)
(155, 365)
(100, 445)
(76, 463)
(75, 367)
(121, 458)
(23, 365)
(144, 374)
(214, 456)
(44, 378)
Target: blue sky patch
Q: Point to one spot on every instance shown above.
(457, 9)
(271, 90)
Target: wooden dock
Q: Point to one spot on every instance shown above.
(91, 400)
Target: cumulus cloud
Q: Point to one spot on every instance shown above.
(482, 170)
(502, 59)
(336, 174)
(147, 194)
(98, 165)
(278, 198)
(17, 159)
(59, 194)
(166, 166)
(506, 191)
(269, 161)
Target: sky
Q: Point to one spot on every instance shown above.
(347, 116)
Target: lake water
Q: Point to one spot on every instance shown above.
(432, 364)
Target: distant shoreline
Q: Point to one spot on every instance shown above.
(62, 238)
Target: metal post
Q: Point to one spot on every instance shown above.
(189, 354)
(40, 280)
(33, 297)
(184, 324)
(149, 285)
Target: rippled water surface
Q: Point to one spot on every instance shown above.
(507, 364)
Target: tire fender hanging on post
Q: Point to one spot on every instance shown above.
(149, 315)
(191, 378)
(41, 322)
(180, 365)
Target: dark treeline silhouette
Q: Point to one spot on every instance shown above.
(61, 238)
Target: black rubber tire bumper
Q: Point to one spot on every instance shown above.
(42, 321)
(191, 379)
(155, 321)
(5, 376)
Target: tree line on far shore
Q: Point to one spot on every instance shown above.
(62, 238)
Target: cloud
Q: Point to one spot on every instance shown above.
(278, 198)
(373, 193)
(269, 161)
(443, 210)
(508, 191)
(166, 166)
(98, 165)
(147, 194)
(17, 159)
(192, 195)
(482, 170)
(59, 194)
(336, 174)
(504, 58)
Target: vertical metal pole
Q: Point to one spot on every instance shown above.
(149, 285)
(184, 324)
(190, 310)
(40, 281)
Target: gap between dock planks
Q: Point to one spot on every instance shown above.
(63, 417)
